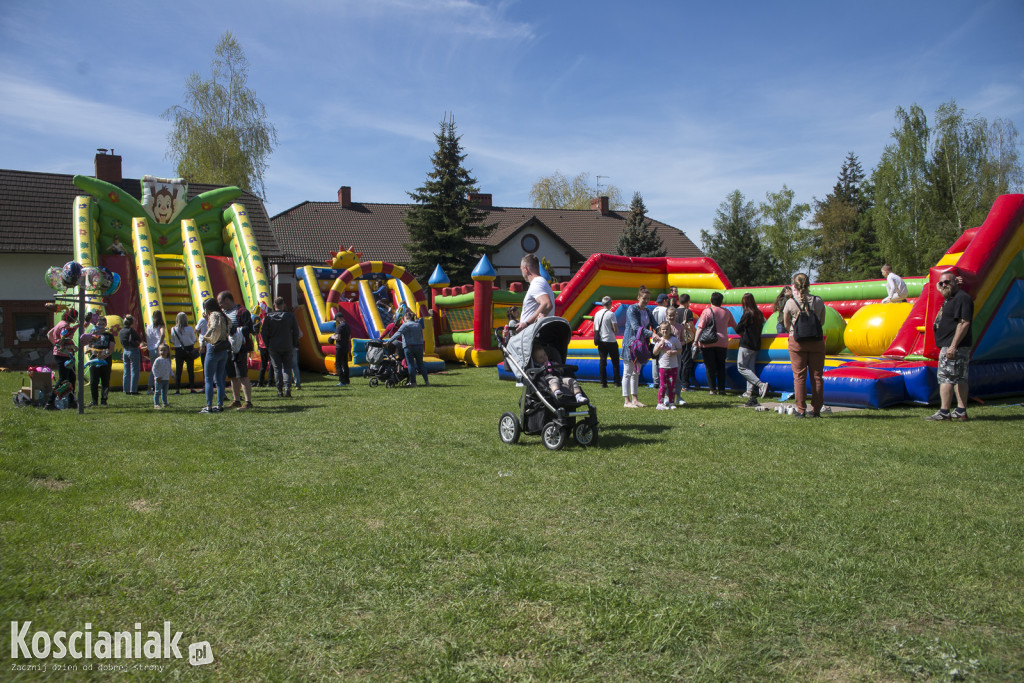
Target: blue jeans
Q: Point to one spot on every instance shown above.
(132, 359)
(215, 370)
(295, 364)
(160, 391)
(414, 359)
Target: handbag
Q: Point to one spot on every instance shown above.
(709, 335)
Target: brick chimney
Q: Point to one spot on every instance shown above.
(108, 166)
(483, 200)
(600, 204)
(345, 196)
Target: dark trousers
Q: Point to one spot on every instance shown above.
(63, 371)
(266, 368)
(341, 364)
(99, 375)
(183, 359)
(686, 368)
(606, 349)
(714, 363)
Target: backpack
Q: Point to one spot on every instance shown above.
(639, 352)
(709, 335)
(687, 331)
(597, 327)
(807, 327)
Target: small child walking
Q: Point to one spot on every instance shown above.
(666, 343)
(161, 371)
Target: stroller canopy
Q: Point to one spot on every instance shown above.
(551, 331)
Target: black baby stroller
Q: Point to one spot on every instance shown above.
(539, 411)
(383, 365)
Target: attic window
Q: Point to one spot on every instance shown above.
(529, 243)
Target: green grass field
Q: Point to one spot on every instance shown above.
(388, 534)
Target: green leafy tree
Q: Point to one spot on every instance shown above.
(788, 242)
(935, 181)
(639, 234)
(845, 243)
(221, 134)
(556, 191)
(444, 221)
(734, 242)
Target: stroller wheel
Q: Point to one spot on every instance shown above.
(554, 436)
(509, 428)
(585, 433)
(374, 381)
(389, 384)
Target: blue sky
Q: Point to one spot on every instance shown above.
(680, 101)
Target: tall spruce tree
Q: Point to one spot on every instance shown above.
(735, 244)
(444, 219)
(846, 244)
(639, 234)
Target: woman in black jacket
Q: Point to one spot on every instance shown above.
(749, 327)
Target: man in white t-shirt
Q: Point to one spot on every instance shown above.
(606, 330)
(539, 301)
(895, 287)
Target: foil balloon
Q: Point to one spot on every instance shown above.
(115, 282)
(53, 278)
(70, 273)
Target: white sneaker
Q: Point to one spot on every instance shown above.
(764, 389)
(746, 394)
(662, 406)
(580, 398)
(680, 402)
(671, 407)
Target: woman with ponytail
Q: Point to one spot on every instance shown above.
(806, 344)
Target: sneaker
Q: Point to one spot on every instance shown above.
(176, 393)
(235, 404)
(580, 398)
(959, 415)
(206, 409)
(680, 402)
(814, 413)
(156, 407)
(244, 406)
(91, 405)
(288, 394)
(217, 409)
(103, 403)
(799, 414)
(662, 406)
(764, 389)
(745, 394)
(340, 384)
(671, 407)
(752, 403)
(939, 417)
(280, 394)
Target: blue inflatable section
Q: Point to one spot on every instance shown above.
(1004, 338)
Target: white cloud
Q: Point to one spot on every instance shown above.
(48, 111)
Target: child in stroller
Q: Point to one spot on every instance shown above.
(383, 365)
(552, 372)
(552, 403)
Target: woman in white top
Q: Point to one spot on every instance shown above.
(183, 340)
(155, 335)
(606, 330)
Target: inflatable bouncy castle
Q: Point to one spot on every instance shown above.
(170, 252)
(880, 354)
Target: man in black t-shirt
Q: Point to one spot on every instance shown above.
(953, 337)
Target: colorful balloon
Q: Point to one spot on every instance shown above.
(53, 278)
(115, 282)
(70, 273)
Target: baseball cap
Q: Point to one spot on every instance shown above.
(662, 297)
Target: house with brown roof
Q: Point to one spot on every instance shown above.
(36, 233)
(309, 232)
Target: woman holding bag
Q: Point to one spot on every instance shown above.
(716, 321)
(638, 326)
(183, 340)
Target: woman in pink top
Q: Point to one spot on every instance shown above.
(714, 353)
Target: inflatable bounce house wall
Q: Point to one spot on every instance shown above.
(347, 286)
(177, 252)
